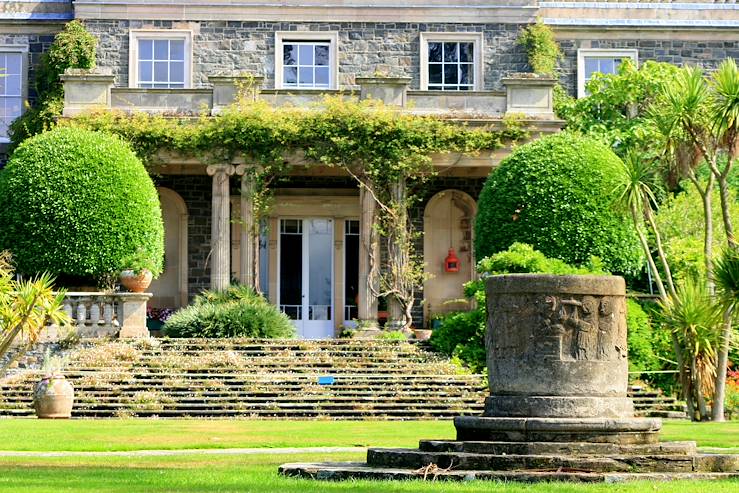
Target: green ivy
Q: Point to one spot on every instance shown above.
(541, 48)
(74, 47)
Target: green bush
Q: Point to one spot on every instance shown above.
(462, 336)
(235, 312)
(554, 193)
(76, 203)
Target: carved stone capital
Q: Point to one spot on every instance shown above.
(226, 169)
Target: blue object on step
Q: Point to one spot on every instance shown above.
(329, 380)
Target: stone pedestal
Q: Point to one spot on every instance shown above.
(132, 314)
(557, 410)
(86, 90)
(220, 258)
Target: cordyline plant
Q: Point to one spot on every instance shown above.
(26, 308)
(698, 119)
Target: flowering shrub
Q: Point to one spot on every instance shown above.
(732, 394)
(159, 314)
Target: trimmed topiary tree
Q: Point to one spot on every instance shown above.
(555, 194)
(76, 203)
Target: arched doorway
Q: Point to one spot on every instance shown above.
(447, 223)
(170, 289)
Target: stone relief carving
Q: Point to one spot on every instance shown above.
(566, 328)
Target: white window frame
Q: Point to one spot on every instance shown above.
(133, 51)
(21, 50)
(476, 38)
(330, 37)
(584, 53)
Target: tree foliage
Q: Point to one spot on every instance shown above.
(553, 193)
(541, 48)
(76, 203)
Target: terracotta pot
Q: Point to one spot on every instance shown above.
(422, 334)
(53, 397)
(136, 283)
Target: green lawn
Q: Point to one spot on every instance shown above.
(139, 434)
(258, 473)
(246, 474)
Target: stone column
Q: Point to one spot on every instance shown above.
(249, 261)
(220, 268)
(368, 247)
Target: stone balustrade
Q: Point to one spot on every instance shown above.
(526, 95)
(98, 314)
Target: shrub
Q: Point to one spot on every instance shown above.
(541, 47)
(554, 193)
(462, 336)
(235, 312)
(76, 203)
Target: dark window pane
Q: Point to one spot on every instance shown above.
(177, 86)
(465, 88)
(451, 74)
(435, 74)
(321, 55)
(290, 55)
(465, 74)
(434, 88)
(305, 54)
(291, 75)
(434, 52)
(466, 52)
(450, 52)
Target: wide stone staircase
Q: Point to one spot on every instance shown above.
(333, 379)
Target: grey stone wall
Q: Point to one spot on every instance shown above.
(363, 47)
(679, 52)
(196, 191)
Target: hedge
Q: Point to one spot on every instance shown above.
(77, 203)
(555, 194)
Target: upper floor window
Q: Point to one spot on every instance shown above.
(12, 87)
(451, 61)
(592, 61)
(306, 60)
(160, 59)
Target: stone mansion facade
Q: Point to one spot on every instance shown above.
(428, 56)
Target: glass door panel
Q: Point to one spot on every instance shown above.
(291, 268)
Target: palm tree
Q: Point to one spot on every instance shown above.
(695, 321)
(726, 274)
(26, 307)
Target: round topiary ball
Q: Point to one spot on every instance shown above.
(556, 194)
(79, 204)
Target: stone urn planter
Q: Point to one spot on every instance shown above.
(422, 334)
(53, 397)
(136, 282)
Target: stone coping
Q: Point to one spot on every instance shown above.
(554, 284)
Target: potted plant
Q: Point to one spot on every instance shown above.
(136, 274)
(53, 395)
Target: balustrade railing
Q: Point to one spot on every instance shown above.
(100, 314)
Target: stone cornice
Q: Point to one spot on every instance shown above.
(475, 11)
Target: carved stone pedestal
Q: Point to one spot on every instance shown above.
(557, 410)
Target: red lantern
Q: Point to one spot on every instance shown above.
(451, 262)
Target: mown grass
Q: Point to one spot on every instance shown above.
(149, 434)
(256, 474)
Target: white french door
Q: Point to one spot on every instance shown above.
(306, 275)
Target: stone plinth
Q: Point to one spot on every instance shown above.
(557, 410)
(530, 95)
(557, 346)
(132, 314)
